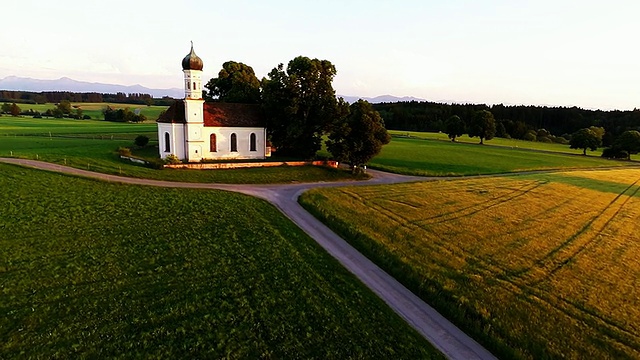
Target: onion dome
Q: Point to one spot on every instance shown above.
(192, 61)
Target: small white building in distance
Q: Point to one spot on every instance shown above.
(194, 130)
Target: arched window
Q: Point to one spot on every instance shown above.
(252, 142)
(167, 146)
(188, 85)
(234, 142)
(194, 86)
(213, 146)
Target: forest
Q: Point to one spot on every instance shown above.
(516, 120)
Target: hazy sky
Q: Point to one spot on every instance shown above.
(552, 52)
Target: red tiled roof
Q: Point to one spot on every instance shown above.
(236, 115)
(174, 114)
(218, 114)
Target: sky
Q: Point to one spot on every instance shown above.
(543, 52)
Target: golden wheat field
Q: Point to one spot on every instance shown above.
(546, 266)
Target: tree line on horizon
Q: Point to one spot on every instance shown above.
(55, 97)
(533, 123)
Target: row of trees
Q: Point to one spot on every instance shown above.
(300, 105)
(62, 109)
(122, 115)
(28, 97)
(591, 138)
(482, 124)
(519, 122)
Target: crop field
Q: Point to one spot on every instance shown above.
(534, 266)
(97, 270)
(414, 156)
(93, 144)
(95, 109)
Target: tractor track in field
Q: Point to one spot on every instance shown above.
(444, 336)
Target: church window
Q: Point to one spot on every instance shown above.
(213, 146)
(252, 142)
(194, 86)
(188, 85)
(234, 142)
(167, 146)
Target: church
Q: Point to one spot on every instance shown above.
(194, 130)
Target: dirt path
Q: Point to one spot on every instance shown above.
(446, 337)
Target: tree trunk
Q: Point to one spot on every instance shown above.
(584, 151)
(481, 141)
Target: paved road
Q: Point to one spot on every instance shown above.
(446, 337)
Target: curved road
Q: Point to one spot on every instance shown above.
(446, 337)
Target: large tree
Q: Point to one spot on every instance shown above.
(454, 127)
(482, 125)
(236, 83)
(629, 141)
(15, 109)
(300, 104)
(585, 139)
(359, 137)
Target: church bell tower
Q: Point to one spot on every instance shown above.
(193, 106)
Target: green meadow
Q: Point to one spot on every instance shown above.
(95, 109)
(97, 270)
(510, 143)
(93, 145)
(429, 157)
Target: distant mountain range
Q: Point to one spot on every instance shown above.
(67, 84)
(379, 99)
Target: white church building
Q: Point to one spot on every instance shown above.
(194, 130)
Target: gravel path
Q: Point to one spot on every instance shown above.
(446, 337)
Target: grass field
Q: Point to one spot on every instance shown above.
(415, 156)
(511, 143)
(97, 270)
(95, 109)
(92, 145)
(534, 266)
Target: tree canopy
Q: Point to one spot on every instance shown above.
(629, 141)
(236, 83)
(482, 125)
(15, 109)
(359, 137)
(454, 127)
(585, 139)
(300, 104)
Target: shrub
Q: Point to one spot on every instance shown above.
(157, 164)
(614, 153)
(124, 151)
(172, 159)
(86, 117)
(561, 140)
(141, 140)
(530, 136)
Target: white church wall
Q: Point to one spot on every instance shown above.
(176, 140)
(243, 136)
